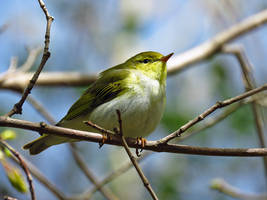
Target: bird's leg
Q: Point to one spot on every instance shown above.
(106, 136)
(143, 143)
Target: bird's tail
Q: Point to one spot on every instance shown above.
(38, 145)
(43, 142)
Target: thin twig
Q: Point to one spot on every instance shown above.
(32, 56)
(219, 104)
(134, 162)
(41, 178)
(14, 71)
(9, 198)
(210, 122)
(213, 45)
(40, 108)
(82, 165)
(23, 166)
(100, 129)
(113, 175)
(249, 83)
(224, 187)
(17, 109)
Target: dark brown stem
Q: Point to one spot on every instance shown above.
(133, 160)
(23, 166)
(17, 109)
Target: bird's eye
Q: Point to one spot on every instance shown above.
(146, 60)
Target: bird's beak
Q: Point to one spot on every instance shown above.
(166, 58)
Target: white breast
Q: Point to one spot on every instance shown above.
(141, 110)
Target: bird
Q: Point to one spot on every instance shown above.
(137, 88)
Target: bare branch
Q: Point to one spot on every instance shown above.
(113, 175)
(210, 122)
(212, 46)
(175, 65)
(17, 109)
(82, 165)
(33, 54)
(249, 83)
(224, 187)
(134, 161)
(42, 179)
(23, 166)
(150, 145)
(40, 109)
(19, 80)
(9, 198)
(219, 104)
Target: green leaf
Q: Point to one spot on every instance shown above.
(8, 135)
(15, 177)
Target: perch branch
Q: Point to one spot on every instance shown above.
(134, 161)
(219, 104)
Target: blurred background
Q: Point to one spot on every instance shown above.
(88, 36)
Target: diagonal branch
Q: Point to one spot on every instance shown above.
(249, 83)
(23, 166)
(213, 108)
(82, 165)
(134, 161)
(225, 188)
(42, 179)
(17, 109)
(212, 46)
(113, 175)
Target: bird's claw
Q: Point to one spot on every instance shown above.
(143, 143)
(104, 139)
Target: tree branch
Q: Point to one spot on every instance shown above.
(82, 165)
(212, 46)
(249, 83)
(225, 188)
(113, 175)
(150, 145)
(23, 166)
(219, 104)
(17, 109)
(175, 65)
(134, 161)
(42, 179)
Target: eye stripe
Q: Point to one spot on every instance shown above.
(146, 60)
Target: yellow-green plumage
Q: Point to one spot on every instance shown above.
(135, 87)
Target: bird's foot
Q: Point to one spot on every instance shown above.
(143, 143)
(105, 137)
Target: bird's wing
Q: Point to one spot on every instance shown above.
(109, 85)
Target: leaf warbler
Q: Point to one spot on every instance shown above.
(136, 88)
